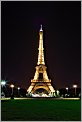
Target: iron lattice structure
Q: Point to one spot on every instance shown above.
(41, 79)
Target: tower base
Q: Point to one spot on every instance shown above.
(35, 87)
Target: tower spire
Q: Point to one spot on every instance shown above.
(41, 28)
(41, 49)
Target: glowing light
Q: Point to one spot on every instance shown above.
(2, 91)
(41, 68)
(41, 37)
(12, 86)
(41, 52)
(40, 95)
(29, 89)
(3, 83)
(41, 28)
(36, 75)
(35, 95)
(44, 95)
(57, 92)
(66, 88)
(45, 75)
(75, 86)
(51, 89)
(18, 88)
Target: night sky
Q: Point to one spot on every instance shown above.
(20, 24)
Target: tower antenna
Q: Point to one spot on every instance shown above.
(41, 28)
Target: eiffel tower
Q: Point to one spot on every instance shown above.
(41, 80)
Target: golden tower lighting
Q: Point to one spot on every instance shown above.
(41, 79)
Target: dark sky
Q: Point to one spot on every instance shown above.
(20, 24)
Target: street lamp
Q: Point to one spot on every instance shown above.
(3, 82)
(18, 90)
(12, 86)
(67, 89)
(75, 86)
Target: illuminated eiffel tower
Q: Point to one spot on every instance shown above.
(41, 80)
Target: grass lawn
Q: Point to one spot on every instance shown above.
(41, 110)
